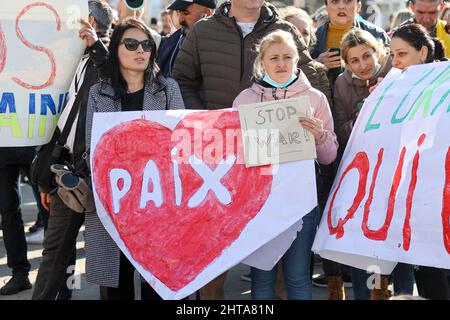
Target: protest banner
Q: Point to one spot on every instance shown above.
(172, 190)
(272, 132)
(39, 52)
(390, 201)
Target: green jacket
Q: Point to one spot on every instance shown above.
(215, 62)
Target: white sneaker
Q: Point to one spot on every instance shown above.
(36, 237)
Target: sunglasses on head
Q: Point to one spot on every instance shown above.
(133, 44)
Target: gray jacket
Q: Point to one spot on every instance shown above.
(102, 253)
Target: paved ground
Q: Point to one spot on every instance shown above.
(235, 288)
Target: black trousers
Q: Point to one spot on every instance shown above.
(59, 250)
(125, 291)
(432, 283)
(12, 223)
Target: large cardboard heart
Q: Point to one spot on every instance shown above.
(176, 242)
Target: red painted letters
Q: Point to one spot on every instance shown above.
(381, 233)
(3, 49)
(361, 163)
(50, 55)
(446, 203)
(409, 197)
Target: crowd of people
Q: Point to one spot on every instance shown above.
(209, 56)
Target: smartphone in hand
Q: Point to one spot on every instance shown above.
(338, 50)
(335, 72)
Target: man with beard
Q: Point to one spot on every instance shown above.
(190, 12)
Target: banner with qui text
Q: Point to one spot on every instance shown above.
(390, 201)
(39, 52)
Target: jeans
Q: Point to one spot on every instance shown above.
(59, 249)
(359, 283)
(403, 279)
(296, 266)
(402, 276)
(12, 223)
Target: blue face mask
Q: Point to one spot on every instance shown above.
(274, 84)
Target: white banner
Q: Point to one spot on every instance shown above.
(39, 52)
(390, 201)
(172, 190)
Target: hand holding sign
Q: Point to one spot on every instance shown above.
(313, 125)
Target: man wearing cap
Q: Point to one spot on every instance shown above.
(190, 11)
(216, 61)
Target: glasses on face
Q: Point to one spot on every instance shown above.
(133, 44)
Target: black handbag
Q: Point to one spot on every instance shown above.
(52, 153)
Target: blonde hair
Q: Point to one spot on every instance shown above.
(276, 37)
(356, 37)
(400, 17)
(292, 12)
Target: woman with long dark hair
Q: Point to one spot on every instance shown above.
(411, 44)
(132, 83)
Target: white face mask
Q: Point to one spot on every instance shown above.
(377, 68)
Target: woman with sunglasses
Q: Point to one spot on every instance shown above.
(132, 83)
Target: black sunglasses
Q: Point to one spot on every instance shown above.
(133, 44)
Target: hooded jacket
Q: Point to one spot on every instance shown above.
(215, 62)
(327, 145)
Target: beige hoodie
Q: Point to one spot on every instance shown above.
(327, 145)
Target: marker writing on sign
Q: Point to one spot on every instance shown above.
(423, 99)
(47, 108)
(47, 52)
(361, 164)
(50, 54)
(3, 49)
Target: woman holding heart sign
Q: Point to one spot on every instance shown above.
(276, 77)
(133, 83)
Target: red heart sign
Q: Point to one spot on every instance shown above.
(175, 218)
